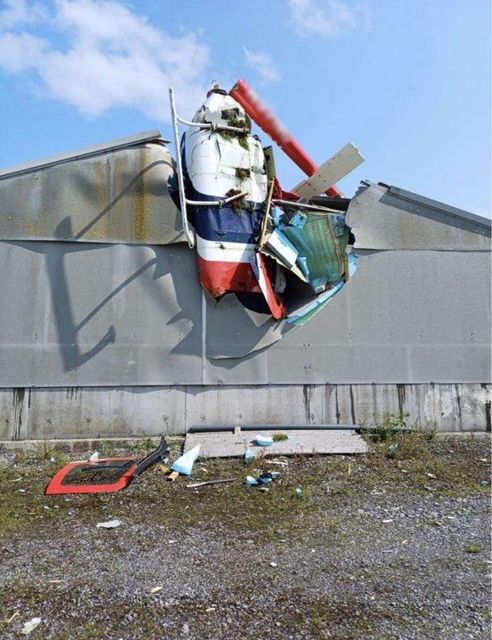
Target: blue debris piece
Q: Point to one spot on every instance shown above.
(264, 478)
(184, 464)
(298, 220)
(249, 456)
(264, 441)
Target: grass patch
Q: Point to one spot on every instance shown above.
(416, 465)
(280, 437)
(473, 548)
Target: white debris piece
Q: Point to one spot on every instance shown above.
(30, 626)
(109, 524)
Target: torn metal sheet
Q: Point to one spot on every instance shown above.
(307, 442)
(116, 195)
(389, 218)
(321, 241)
(330, 172)
(233, 331)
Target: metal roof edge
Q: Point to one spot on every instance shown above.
(85, 152)
(409, 196)
(453, 212)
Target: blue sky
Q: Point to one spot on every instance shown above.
(408, 81)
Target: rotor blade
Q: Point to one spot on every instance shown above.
(330, 172)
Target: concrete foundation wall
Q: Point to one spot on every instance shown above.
(83, 412)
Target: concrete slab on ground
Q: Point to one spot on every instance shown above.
(234, 444)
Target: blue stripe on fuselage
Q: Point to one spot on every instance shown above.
(222, 223)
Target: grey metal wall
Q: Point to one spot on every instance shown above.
(76, 314)
(100, 302)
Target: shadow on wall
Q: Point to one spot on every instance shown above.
(68, 329)
(232, 332)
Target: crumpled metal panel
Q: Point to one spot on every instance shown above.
(234, 331)
(391, 218)
(113, 197)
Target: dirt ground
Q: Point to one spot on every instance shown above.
(392, 544)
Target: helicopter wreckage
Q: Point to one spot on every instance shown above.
(282, 253)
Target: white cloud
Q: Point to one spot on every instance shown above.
(263, 65)
(17, 12)
(112, 57)
(325, 18)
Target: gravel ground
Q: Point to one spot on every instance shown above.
(387, 545)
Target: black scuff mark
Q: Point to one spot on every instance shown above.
(488, 420)
(337, 406)
(400, 388)
(352, 405)
(307, 392)
(458, 402)
(18, 404)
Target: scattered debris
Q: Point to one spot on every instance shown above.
(184, 464)
(210, 609)
(392, 450)
(249, 456)
(273, 564)
(55, 581)
(156, 589)
(94, 456)
(282, 463)
(388, 520)
(262, 479)
(172, 476)
(298, 492)
(432, 476)
(105, 475)
(109, 524)
(202, 484)
(264, 440)
(30, 626)
(250, 481)
(12, 617)
(484, 483)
